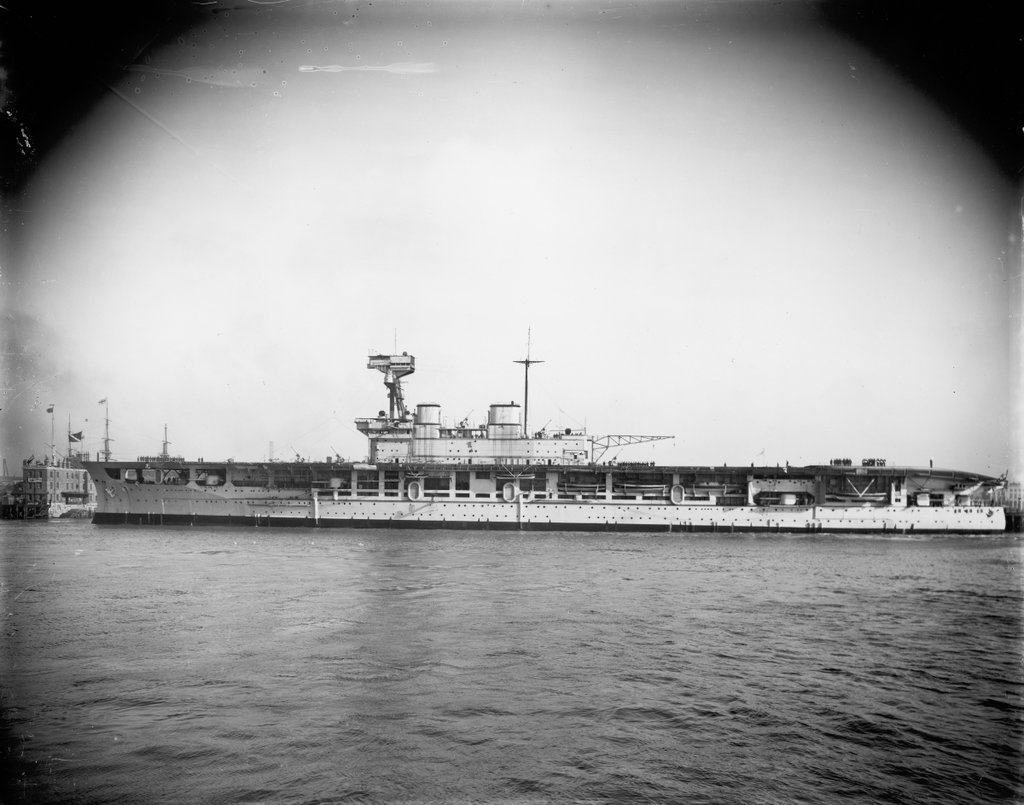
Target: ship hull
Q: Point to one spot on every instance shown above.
(195, 508)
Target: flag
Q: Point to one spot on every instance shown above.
(49, 410)
(103, 401)
(75, 437)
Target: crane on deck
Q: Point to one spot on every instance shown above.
(620, 440)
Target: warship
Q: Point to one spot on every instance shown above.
(423, 473)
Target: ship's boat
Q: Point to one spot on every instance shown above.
(421, 473)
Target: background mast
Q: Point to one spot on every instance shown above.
(106, 430)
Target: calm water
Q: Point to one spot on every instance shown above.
(242, 665)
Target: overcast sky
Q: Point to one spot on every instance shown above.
(722, 223)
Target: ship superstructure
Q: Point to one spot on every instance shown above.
(423, 473)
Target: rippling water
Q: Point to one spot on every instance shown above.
(243, 665)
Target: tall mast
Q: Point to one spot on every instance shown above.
(526, 384)
(106, 430)
(165, 455)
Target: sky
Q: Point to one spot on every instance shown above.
(720, 222)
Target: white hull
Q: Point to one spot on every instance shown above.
(121, 503)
